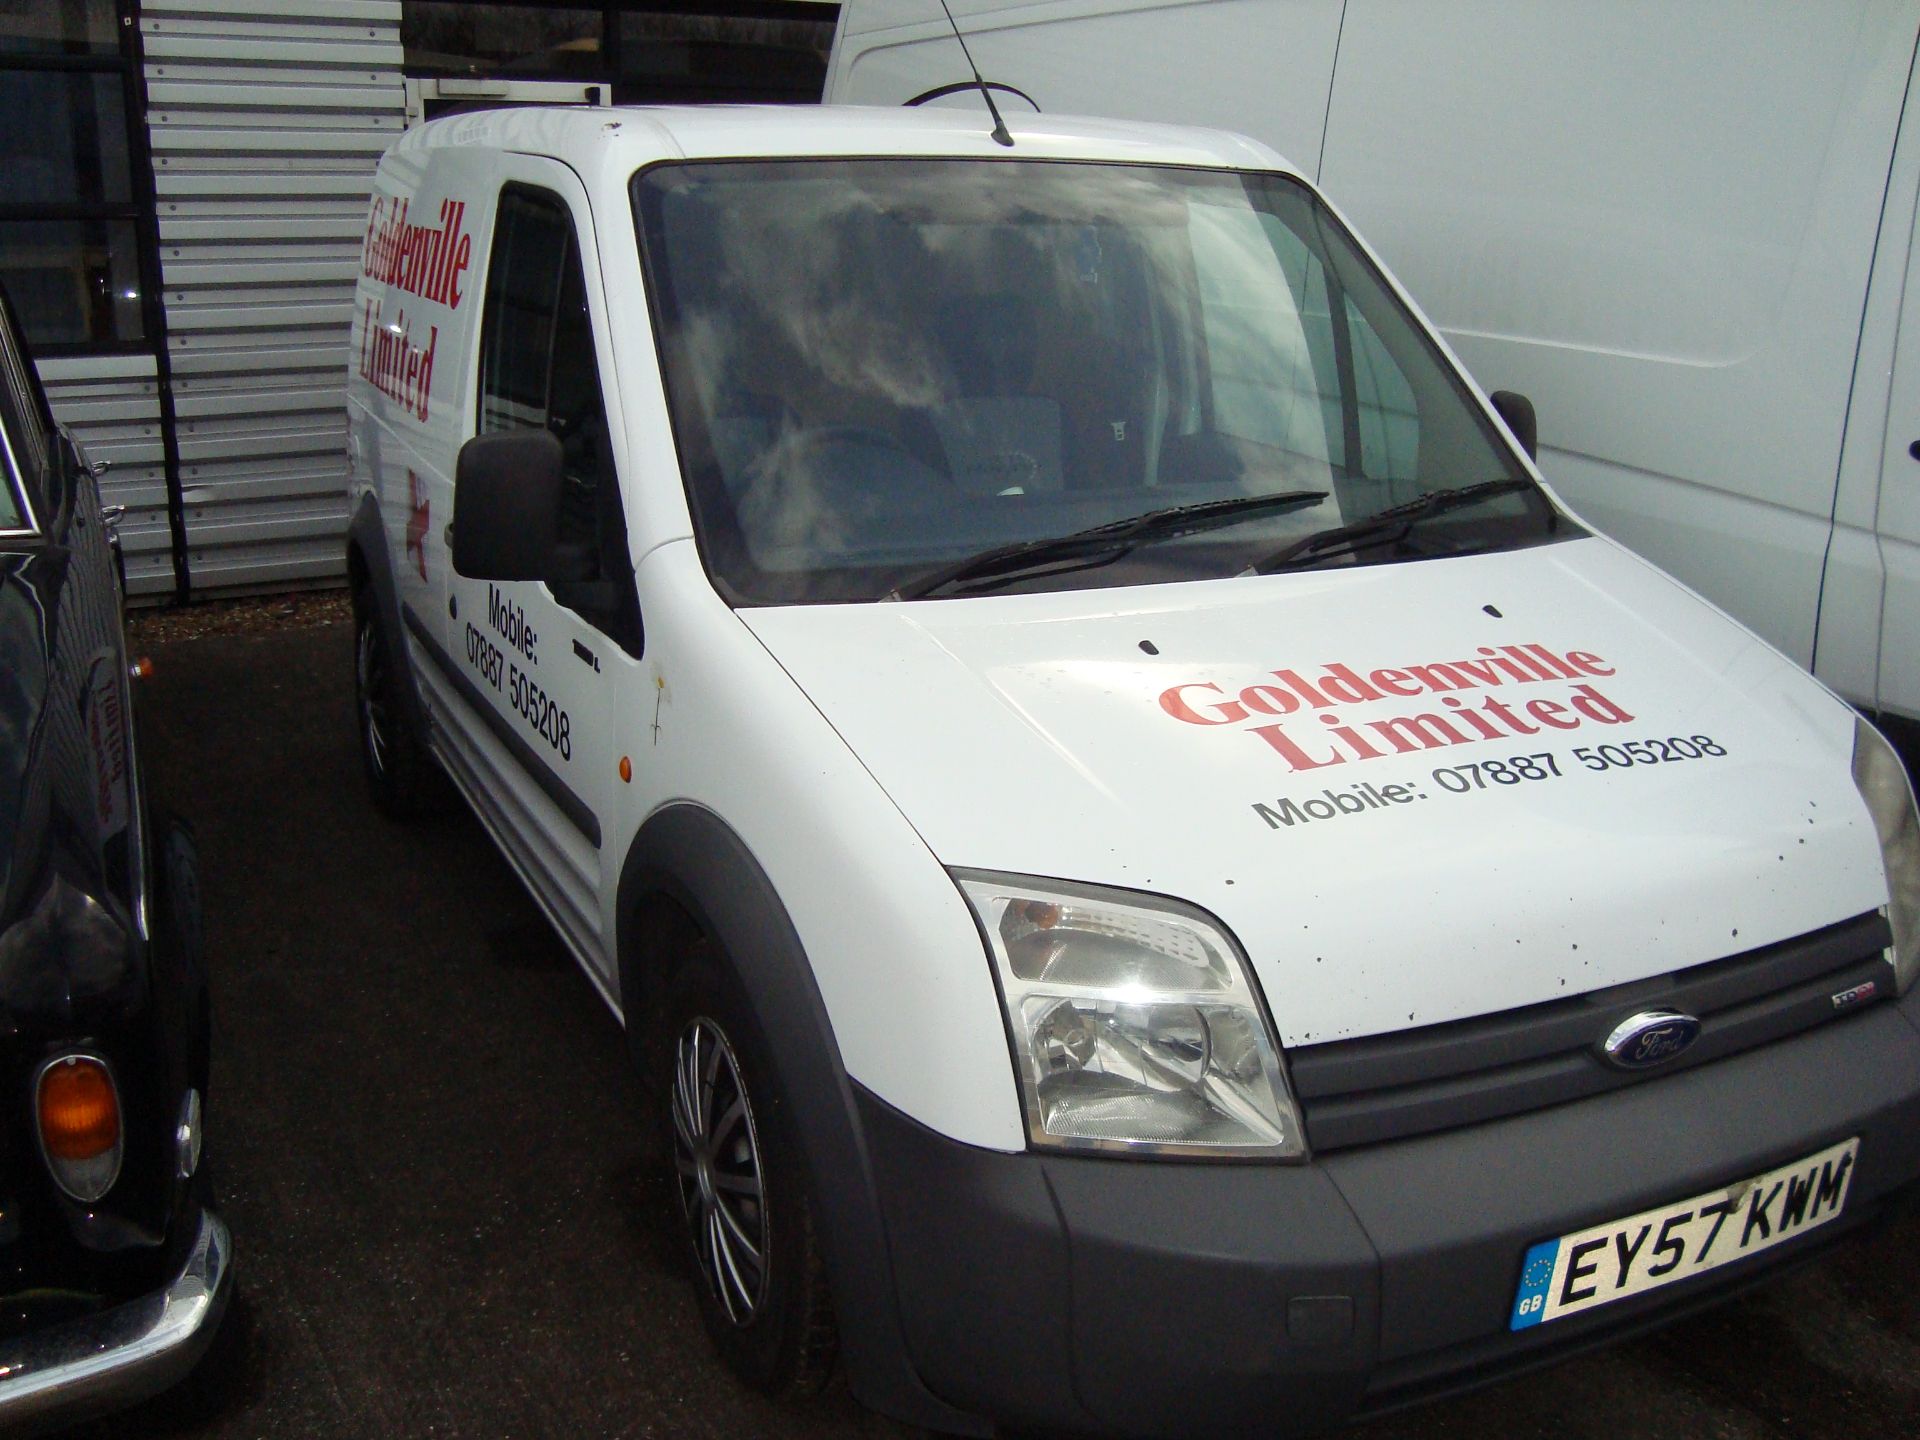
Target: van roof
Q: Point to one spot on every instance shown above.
(629, 136)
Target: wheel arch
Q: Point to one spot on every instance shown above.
(179, 933)
(370, 576)
(686, 875)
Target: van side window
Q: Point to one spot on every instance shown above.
(538, 368)
(537, 363)
(531, 245)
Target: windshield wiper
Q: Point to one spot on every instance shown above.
(1386, 527)
(1108, 542)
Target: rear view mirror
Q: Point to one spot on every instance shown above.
(1517, 410)
(506, 500)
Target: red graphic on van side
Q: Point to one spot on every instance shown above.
(418, 504)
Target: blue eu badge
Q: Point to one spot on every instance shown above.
(1536, 1274)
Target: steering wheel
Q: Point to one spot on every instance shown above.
(897, 471)
(871, 436)
(564, 429)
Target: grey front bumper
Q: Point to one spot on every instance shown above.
(1075, 1294)
(124, 1354)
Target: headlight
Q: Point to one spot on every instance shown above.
(1135, 1027)
(1883, 784)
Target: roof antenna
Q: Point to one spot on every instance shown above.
(1000, 135)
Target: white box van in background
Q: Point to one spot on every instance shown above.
(1684, 230)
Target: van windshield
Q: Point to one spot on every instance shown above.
(879, 368)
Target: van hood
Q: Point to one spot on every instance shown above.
(1354, 769)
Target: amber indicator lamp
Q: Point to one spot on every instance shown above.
(79, 1111)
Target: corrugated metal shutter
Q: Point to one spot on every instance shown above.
(112, 406)
(266, 120)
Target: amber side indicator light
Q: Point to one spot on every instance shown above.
(79, 1110)
(141, 669)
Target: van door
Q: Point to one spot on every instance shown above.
(545, 659)
(1898, 523)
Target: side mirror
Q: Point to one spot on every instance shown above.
(506, 503)
(1517, 410)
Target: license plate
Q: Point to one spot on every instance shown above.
(1688, 1237)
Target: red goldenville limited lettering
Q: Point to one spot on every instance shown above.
(423, 260)
(393, 364)
(1456, 721)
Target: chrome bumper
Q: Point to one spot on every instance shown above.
(124, 1354)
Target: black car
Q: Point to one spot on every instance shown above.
(114, 1269)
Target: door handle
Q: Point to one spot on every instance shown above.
(1914, 449)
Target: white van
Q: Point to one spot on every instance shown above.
(1685, 230)
(1165, 884)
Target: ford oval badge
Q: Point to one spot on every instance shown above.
(1650, 1038)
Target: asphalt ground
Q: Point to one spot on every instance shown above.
(447, 1219)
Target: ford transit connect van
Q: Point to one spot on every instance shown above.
(1164, 882)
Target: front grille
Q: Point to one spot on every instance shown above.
(1436, 1077)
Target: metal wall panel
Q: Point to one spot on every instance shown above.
(266, 118)
(111, 403)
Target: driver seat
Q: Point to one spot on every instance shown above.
(999, 437)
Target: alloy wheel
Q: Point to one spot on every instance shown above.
(371, 671)
(716, 1152)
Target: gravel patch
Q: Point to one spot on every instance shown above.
(245, 615)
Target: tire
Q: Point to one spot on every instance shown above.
(747, 1222)
(405, 780)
